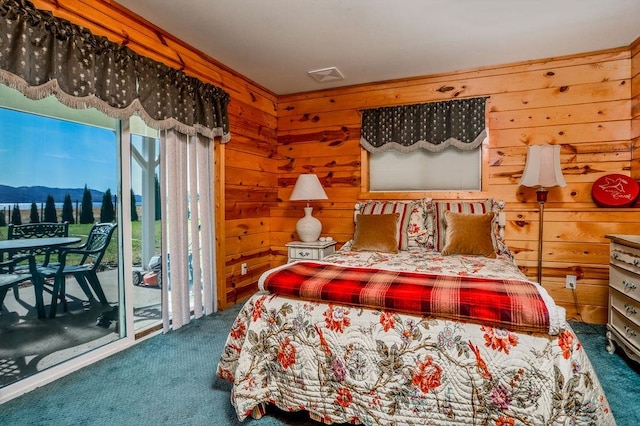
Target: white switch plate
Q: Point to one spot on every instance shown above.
(243, 269)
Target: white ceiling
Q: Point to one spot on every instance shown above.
(276, 42)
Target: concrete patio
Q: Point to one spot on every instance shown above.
(29, 345)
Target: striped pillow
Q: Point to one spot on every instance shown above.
(466, 207)
(387, 207)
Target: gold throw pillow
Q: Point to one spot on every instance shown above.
(468, 234)
(376, 232)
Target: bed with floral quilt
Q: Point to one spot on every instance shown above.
(413, 335)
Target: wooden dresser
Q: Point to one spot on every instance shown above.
(623, 327)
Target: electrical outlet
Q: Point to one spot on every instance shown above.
(571, 282)
(243, 269)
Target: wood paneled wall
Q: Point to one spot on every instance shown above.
(582, 102)
(246, 183)
(588, 103)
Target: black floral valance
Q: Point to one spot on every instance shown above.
(432, 126)
(41, 55)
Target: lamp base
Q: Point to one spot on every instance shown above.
(308, 227)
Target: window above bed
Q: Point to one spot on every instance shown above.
(436, 146)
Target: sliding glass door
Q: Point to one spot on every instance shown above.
(88, 168)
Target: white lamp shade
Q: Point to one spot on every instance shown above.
(543, 167)
(307, 188)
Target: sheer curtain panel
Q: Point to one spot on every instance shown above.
(188, 231)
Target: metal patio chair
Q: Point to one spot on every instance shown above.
(34, 230)
(9, 278)
(82, 262)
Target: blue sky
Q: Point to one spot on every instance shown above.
(36, 150)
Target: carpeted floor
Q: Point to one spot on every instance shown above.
(137, 386)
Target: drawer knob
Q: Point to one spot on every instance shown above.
(636, 262)
(614, 255)
(630, 309)
(630, 332)
(304, 253)
(628, 285)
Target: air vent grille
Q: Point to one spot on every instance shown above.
(326, 75)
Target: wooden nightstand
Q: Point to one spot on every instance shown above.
(316, 250)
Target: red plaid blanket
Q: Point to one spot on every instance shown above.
(510, 304)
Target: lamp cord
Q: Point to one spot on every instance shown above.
(575, 302)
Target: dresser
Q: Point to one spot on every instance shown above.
(623, 327)
(316, 250)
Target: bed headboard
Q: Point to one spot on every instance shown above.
(429, 204)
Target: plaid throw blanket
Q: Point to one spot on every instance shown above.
(511, 304)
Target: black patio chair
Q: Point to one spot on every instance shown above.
(82, 262)
(9, 278)
(34, 230)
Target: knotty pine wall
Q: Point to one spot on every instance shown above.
(246, 183)
(582, 102)
(588, 103)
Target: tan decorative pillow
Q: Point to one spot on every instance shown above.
(468, 207)
(376, 232)
(468, 234)
(404, 210)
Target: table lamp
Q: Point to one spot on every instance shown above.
(308, 188)
(542, 170)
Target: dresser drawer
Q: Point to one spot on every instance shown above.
(625, 282)
(626, 306)
(625, 328)
(625, 257)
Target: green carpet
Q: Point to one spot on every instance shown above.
(170, 380)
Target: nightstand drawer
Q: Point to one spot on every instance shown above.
(625, 282)
(310, 251)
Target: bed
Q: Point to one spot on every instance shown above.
(429, 321)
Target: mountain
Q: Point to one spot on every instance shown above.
(39, 194)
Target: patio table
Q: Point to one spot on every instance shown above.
(33, 243)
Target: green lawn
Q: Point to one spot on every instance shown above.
(111, 256)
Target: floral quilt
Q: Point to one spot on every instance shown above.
(374, 366)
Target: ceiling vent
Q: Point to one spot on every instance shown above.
(326, 75)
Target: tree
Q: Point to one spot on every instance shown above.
(67, 210)
(50, 214)
(106, 211)
(86, 208)
(34, 216)
(134, 210)
(16, 219)
(3, 219)
(158, 205)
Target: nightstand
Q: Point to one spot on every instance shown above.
(316, 250)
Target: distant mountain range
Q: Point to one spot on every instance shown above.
(39, 194)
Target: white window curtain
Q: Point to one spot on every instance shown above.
(188, 227)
